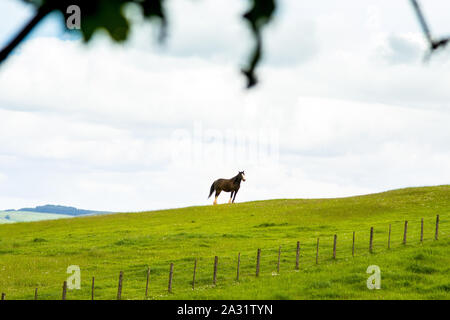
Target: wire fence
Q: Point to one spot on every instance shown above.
(152, 281)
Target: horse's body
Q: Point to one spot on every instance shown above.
(228, 185)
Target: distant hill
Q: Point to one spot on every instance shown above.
(50, 208)
(47, 212)
(12, 216)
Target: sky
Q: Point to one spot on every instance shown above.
(345, 106)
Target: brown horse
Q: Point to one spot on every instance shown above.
(228, 185)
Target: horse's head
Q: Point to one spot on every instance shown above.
(242, 175)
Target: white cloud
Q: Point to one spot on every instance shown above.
(347, 106)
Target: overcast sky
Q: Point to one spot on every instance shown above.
(345, 106)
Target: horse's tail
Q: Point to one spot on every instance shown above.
(211, 190)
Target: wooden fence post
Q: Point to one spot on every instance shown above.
(334, 246)
(119, 288)
(317, 252)
(64, 292)
(279, 256)
(421, 231)
(353, 245)
(258, 261)
(389, 237)
(92, 288)
(148, 280)
(193, 278)
(238, 266)
(297, 257)
(405, 232)
(371, 240)
(3, 296)
(216, 260)
(36, 294)
(170, 278)
(436, 235)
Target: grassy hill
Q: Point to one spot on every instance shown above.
(37, 254)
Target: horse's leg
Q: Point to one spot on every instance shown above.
(235, 195)
(217, 195)
(229, 201)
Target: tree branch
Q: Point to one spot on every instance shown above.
(422, 21)
(434, 44)
(41, 13)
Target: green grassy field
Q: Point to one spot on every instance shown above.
(37, 254)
